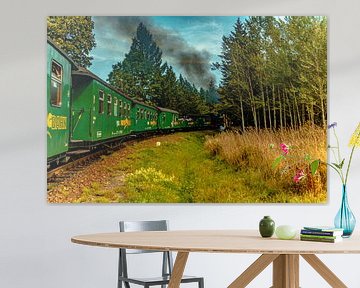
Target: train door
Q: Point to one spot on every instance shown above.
(99, 127)
(84, 110)
(107, 124)
(163, 120)
(58, 111)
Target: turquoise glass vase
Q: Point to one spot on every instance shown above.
(345, 219)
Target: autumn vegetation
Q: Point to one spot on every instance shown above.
(254, 153)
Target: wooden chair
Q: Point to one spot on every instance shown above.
(167, 262)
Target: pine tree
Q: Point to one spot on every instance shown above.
(143, 76)
(212, 96)
(138, 74)
(73, 34)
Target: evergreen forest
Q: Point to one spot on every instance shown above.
(273, 71)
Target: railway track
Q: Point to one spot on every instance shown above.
(57, 173)
(61, 173)
(64, 171)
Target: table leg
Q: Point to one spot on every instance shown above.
(178, 270)
(286, 271)
(253, 270)
(324, 271)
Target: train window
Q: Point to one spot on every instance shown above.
(101, 102)
(137, 113)
(56, 84)
(115, 106)
(121, 111)
(142, 114)
(109, 104)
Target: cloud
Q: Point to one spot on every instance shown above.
(194, 63)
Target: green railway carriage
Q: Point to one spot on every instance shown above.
(144, 117)
(185, 122)
(59, 67)
(99, 111)
(168, 119)
(202, 121)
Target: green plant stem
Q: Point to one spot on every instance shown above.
(333, 152)
(337, 170)
(338, 145)
(340, 172)
(348, 166)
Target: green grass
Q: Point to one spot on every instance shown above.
(181, 170)
(96, 194)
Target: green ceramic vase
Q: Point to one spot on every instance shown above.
(266, 226)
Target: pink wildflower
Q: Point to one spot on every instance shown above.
(284, 148)
(298, 176)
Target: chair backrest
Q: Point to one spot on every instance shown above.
(133, 226)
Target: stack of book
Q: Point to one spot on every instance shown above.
(321, 234)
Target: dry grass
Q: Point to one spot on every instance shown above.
(255, 152)
(202, 167)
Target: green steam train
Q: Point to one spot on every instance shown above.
(84, 112)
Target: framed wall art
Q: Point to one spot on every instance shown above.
(186, 109)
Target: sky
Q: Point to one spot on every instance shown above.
(188, 43)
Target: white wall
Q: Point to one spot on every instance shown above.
(35, 248)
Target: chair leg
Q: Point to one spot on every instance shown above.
(126, 284)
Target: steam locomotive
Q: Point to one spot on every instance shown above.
(85, 112)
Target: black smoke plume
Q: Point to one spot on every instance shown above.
(192, 63)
